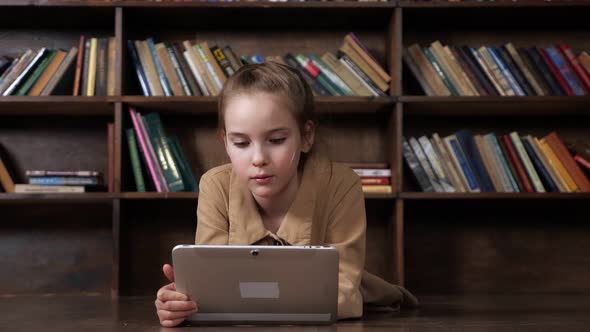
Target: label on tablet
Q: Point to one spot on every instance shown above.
(259, 290)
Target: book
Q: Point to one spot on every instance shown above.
(135, 160)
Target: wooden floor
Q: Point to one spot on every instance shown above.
(437, 313)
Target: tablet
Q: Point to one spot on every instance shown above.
(259, 284)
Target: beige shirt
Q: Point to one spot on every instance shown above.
(329, 209)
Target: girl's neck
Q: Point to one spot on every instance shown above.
(278, 205)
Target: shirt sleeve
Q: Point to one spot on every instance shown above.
(212, 218)
(346, 231)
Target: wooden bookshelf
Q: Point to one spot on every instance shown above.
(430, 242)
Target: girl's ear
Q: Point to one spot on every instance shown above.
(221, 135)
(308, 136)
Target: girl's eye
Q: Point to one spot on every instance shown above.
(277, 140)
(241, 144)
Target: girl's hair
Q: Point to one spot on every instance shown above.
(273, 78)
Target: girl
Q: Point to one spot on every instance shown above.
(277, 192)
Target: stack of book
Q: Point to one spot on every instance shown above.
(157, 159)
(195, 69)
(446, 70)
(375, 177)
(47, 181)
(463, 162)
(86, 70)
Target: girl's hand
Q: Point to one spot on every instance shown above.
(172, 307)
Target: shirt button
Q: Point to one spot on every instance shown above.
(277, 243)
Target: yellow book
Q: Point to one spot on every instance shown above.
(380, 189)
(5, 178)
(554, 161)
(91, 67)
(559, 181)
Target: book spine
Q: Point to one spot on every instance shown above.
(528, 76)
(542, 171)
(188, 176)
(222, 60)
(554, 72)
(314, 84)
(344, 89)
(440, 72)
(191, 60)
(563, 68)
(519, 167)
(25, 72)
(63, 181)
(62, 173)
(461, 160)
(135, 161)
(159, 70)
(141, 78)
(435, 164)
(358, 72)
(209, 67)
(416, 168)
(37, 189)
(91, 69)
(79, 66)
(575, 64)
(505, 72)
(500, 154)
(428, 90)
(516, 73)
(488, 73)
(473, 157)
(24, 89)
(143, 143)
(157, 135)
(422, 159)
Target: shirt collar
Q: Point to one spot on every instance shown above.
(245, 222)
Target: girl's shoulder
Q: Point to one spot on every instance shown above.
(218, 176)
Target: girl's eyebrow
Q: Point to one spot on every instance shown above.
(285, 129)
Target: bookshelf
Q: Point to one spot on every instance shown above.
(115, 243)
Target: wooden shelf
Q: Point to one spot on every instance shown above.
(495, 196)
(73, 198)
(57, 105)
(208, 105)
(491, 4)
(197, 4)
(156, 195)
(474, 106)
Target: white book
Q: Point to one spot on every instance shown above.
(39, 189)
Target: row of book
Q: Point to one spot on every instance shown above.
(86, 70)
(375, 176)
(172, 68)
(157, 159)
(463, 162)
(447, 70)
(50, 181)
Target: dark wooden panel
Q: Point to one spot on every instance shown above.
(56, 248)
(55, 143)
(148, 231)
(497, 246)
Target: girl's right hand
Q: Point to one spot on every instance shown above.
(172, 307)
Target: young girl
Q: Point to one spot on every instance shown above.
(277, 192)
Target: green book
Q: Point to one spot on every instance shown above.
(185, 169)
(157, 135)
(135, 160)
(23, 90)
(440, 72)
(334, 78)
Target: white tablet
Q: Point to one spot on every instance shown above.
(259, 284)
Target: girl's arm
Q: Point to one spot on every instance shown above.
(346, 231)
(212, 220)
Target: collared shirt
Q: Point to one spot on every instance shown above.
(328, 209)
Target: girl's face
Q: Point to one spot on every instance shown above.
(264, 143)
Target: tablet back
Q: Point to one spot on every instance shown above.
(259, 284)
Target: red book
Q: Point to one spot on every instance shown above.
(575, 64)
(520, 171)
(555, 72)
(79, 61)
(369, 181)
(556, 144)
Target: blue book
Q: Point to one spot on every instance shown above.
(544, 174)
(471, 152)
(138, 68)
(494, 140)
(565, 71)
(457, 151)
(505, 71)
(165, 85)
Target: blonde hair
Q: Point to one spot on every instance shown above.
(273, 78)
